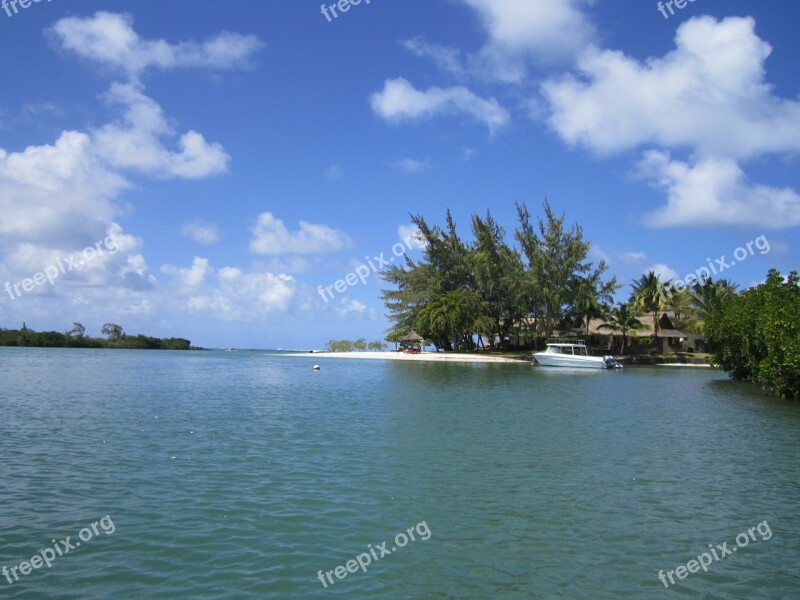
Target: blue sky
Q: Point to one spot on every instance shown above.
(225, 159)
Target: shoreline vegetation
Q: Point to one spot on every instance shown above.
(76, 337)
(491, 293)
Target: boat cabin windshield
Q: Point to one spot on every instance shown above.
(572, 349)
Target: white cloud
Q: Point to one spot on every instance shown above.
(288, 264)
(716, 192)
(447, 59)
(633, 257)
(135, 142)
(350, 307)
(629, 259)
(228, 293)
(272, 237)
(60, 192)
(519, 32)
(709, 96)
(413, 165)
(544, 31)
(399, 100)
(190, 276)
(692, 97)
(57, 199)
(39, 110)
(68, 189)
(202, 233)
(244, 296)
(664, 272)
(111, 260)
(109, 38)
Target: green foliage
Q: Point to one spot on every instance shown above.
(359, 345)
(459, 290)
(175, 344)
(623, 319)
(498, 274)
(340, 346)
(680, 303)
(450, 319)
(650, 295)
(447, 266)
(707, 297)
(85, 342)
(77, 330)
(44, 339)
(756, 335)
(76, 338)
(139, 342)
(560, 280)
(113, 331)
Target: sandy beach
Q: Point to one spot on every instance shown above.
(422, 357)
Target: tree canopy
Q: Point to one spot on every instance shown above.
(756, 334)
(77, 338)
(487, 288)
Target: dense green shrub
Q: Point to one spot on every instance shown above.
(26, 337)
(756, 335)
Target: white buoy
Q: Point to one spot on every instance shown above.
(316, 367)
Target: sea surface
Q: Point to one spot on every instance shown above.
(250, 475)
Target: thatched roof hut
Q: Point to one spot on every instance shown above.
(412, 339)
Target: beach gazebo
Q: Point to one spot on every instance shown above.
(412, 340)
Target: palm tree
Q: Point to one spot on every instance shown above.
(649, 295)
(587, 305)
(623, 319)
(680, 302)
(707, 297)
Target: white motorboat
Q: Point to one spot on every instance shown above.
(574, 355)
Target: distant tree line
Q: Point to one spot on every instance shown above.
(77, 338)
(359, 345)
(461, 293)
(689, 307)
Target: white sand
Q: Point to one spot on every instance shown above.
(422, 357)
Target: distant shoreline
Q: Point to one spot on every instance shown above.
(422, 357)
(466, 358)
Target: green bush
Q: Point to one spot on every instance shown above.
(756, 335)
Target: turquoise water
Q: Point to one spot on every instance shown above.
(242, 475)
